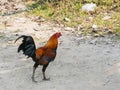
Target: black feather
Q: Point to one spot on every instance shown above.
(27, 46)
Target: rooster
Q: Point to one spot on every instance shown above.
(42, 55)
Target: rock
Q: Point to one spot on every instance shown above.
(106, 18)
(93, 41)
(110, 31)
(94, 26)
(20, 7)
(80, 27)
(37, 19)
(96, 35)
(67, 19)
(69, 29)
(90, 19)
(90, 7)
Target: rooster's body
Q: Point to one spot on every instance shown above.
(42, 55)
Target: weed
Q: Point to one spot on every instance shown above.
(59, 10)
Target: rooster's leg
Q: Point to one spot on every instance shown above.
(34, 68)
(43, 70)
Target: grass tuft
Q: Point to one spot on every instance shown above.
(59, 10)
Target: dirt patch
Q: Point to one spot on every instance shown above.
(81, 63)
(11, 6)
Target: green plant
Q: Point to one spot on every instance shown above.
(59, 10)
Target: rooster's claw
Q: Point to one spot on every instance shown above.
(46, 79)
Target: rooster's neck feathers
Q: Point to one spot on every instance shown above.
(52, 42)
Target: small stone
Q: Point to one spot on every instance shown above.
(90, 19)
(69, 29)
(106, 18)
(67, 19)
(93, 41)
(90, 7)
(96, 35)
(80, 27)
(110, 31)
(94, 26)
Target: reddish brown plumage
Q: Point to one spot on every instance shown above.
(42, 55)
(49, 50)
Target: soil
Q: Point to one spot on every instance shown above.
(82, 63)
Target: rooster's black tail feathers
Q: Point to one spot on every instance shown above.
(27, 46)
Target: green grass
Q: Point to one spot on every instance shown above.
(72, 10)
